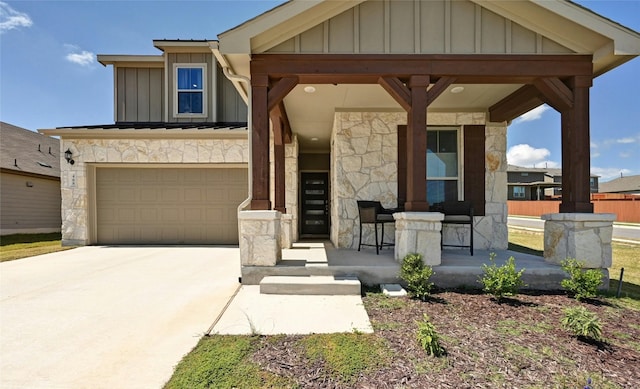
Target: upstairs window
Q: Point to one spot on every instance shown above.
(443, 167)
(190, 97)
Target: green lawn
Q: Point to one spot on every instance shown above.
(27, 245)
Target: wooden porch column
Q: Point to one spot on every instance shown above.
(417, 145)
(260, 142)
(278, 163)
(576, 192)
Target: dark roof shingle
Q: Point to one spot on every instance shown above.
(26, 151)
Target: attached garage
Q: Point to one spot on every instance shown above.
(168, 205)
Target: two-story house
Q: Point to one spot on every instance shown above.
(533, 183)
(402, 102)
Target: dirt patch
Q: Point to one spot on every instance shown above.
(519, 343)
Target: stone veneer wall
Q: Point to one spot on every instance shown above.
(291, 152)
(74, 183)
(364, 167)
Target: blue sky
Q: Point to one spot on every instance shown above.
(49, 76)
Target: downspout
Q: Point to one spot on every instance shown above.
(231, 77)
(246, 80)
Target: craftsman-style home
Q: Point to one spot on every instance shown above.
(405, 103)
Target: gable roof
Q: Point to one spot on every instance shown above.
(24, 151)
(621, 184)
(564, 22)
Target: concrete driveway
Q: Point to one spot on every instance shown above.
(109, 317)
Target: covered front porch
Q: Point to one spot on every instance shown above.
(458, 269)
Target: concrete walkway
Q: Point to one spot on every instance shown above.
(269, 314)
(116, 317)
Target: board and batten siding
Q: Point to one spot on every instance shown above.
(419, 27)
(142, 96)
(231, 107)
(139, 94)
(29, 204)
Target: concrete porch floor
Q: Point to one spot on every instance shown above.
(458, 268)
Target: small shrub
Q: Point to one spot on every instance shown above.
(416, 274)
(582, 322)
(428, 337)
(501, 281)
(582, 283)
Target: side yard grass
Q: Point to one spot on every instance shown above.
(27, 245)
(625, 255)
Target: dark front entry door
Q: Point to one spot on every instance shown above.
(315, 204)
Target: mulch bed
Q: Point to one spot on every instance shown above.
(516, 344)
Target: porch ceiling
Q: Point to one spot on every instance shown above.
(311, 114)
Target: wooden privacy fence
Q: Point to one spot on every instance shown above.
(627, 210)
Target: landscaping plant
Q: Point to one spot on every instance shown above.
(501, 281)
(582, 283)
(428, 337)
(582, 323)
(416, 274)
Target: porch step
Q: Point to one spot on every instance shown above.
(310, 285)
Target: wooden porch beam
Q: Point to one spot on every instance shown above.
(519, 102)
(280, 89)
(440, 86)
(498, 68)
(280, 112)
(555, 92)
(396, 88)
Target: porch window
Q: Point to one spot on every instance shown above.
(190, 97)
(518, 192)
(443, 167)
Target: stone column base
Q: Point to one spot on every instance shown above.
(286, 231)
(259, 238)
(583, 236)
(419, 232)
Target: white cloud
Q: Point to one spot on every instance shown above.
(593, 145)
(534, 114)
(609, 173)
(80, 57)
(11, 19)
(626, 140)
(525, 155)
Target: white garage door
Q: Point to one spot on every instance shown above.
(169, 205)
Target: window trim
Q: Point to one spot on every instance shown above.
(202, 66)
(459, 157)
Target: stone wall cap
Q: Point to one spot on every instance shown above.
(580, 217)
(419, 216)
(259, 215)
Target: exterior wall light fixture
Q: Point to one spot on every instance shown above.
(68, 155)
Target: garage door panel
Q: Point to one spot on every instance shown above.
(193, 195)
(169, 205)
(148, 194)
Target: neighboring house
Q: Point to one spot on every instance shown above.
(29, 181)
(538, 183)
(622, 185)
(403, 102)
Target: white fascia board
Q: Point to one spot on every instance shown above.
(626, 41)
(130, 60)
(183, 46)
